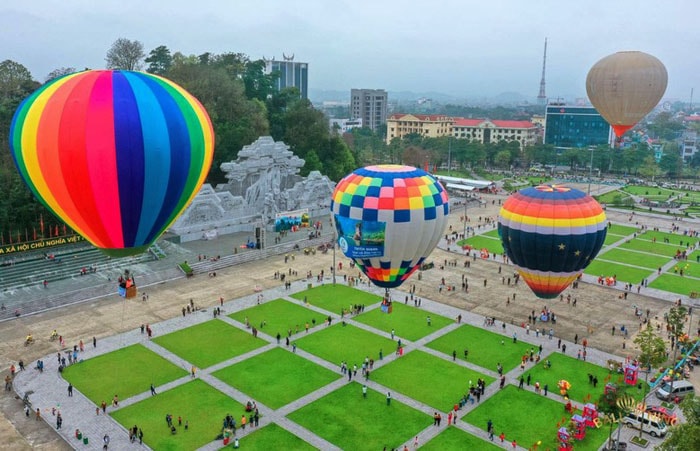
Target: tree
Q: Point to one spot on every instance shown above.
(671, 161)
(649, 168)
(60, 72)
(685, 435)
(125, 55)
(15, 81)
(159, 60)
(652, 352)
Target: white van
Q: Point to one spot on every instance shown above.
(653, 424)
(680, 390)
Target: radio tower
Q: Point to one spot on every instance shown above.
(542, 97)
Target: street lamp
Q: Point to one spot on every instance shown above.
(625, 403)
(449, 155)
(590, 174)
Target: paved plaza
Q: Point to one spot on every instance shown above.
(115, 324)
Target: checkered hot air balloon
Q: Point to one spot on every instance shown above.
(551, 233)
(117, 155)
(389, 218)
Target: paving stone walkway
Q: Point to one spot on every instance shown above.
(48, 390)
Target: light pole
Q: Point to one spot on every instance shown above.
(449, 155)
(590, 174)
(466, 201)
(625, 403)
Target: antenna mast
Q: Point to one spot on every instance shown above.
(542, 97)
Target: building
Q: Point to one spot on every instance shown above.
(429, 126)
(575, 127)
(689, 145)
(344, 125)
(491, 131)
(291, 74)
(370, 105)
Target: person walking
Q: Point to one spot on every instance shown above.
(364, 391)
(70, 389)
(388, 398)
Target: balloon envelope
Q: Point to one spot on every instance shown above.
(625, 86)
(117, 155)
(551, 233)
(389, 218)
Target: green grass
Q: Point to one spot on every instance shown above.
(272, 437)
(658, 248)
(333, 298)
(676, 284)
(576, 372)
(419, 374)
(276, 377)
(649, 235)
(529, 418)
(279, 316)
(624, 273)
(650, 192)
(346, 343)
(485, 348)
(350, 421)
(453, 438)
(197, 402)
(410, 323)
(125, 372)
(208, 343)
(634, 258)
(612, 239)
(613, 197)
(492, 234)
(618, 229)
(482, 242)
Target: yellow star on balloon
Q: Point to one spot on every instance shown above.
(562, 246)
(577, 253)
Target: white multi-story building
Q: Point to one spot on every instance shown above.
(370, 105)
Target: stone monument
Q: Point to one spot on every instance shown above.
(263, 181)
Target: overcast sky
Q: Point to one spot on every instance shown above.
(464, 48)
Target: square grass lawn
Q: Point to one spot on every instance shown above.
(493, 245)
(276, 377)
(618, 229)
(624, 273)
(203, 406)
(634, 258)
(333, 298)
(280, 316)
(485, 348)
(528, 418)
(273, 437)
(349, 421)
(434, 381)
(125, 372)
(676, 284)
(410, 323)
(576, 373)
(611, 239)
(453, 438)
(658, 248)
(346, 343)
(208, 343)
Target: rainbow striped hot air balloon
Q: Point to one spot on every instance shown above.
(389, 218)
(551, 233)
(117, 155)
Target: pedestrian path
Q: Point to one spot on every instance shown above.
(48, 390)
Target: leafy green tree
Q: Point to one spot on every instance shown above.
(258, 84)
(652, 351)
(649, 168)
(503, 159)
(685, 436)
(15, 81)
(671, 162)
(125, 54)
(159, 60)
(60, 72)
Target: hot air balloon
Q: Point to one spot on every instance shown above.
(117, 155)
(389, 218)
(551, 233)
(625, 86)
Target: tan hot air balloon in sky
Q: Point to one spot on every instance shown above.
(625, 86)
